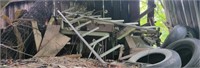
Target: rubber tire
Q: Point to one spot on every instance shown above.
(177, 33)
(183, 47)
(191, 33)
(171, 59)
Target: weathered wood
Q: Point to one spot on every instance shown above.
(19, 40)
(124, 32)
(53, 46)
(102, 27)
(6, 18)
(51, 32)
(81, 25)
(130, 42)
(65, 31)
(37, 34)
(121, 51)
(150, 16)
(51, 21)
(90, 31)
(79, 35)
(134, 51)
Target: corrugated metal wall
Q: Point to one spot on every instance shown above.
(183, 12)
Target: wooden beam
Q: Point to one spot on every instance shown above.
(19, 40)
(135, 51)
(150, 16)
(65, 31)
(126, 31)
(37, 34)
(130, 42)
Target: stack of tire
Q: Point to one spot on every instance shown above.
(180, 49)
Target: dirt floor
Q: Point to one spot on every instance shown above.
(52, 62)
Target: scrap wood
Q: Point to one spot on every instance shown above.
(79, 35)
(126, 31)
(103, 26)
(130, 42)
(53, 46)
(134, 51)
(19, 40)
(37, 34)
(51, 31)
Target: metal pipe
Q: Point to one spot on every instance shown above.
(79, 35)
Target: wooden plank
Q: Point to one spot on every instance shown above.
(150, 16)
(124, 32)
(37, 34)
(130, 42)
(65, 31)
(51, 32)
(53, 46)
(102, 27)
(19, 40)
(134, 51)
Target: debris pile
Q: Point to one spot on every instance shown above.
(45, 38)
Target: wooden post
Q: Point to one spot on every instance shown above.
(150, 16)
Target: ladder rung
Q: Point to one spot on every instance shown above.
(90, 31)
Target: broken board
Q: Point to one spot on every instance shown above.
(53, 46)
(130, 42)
(37, 34)
(51, 31)
(126, 31)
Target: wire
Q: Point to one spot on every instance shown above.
(15, 50)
